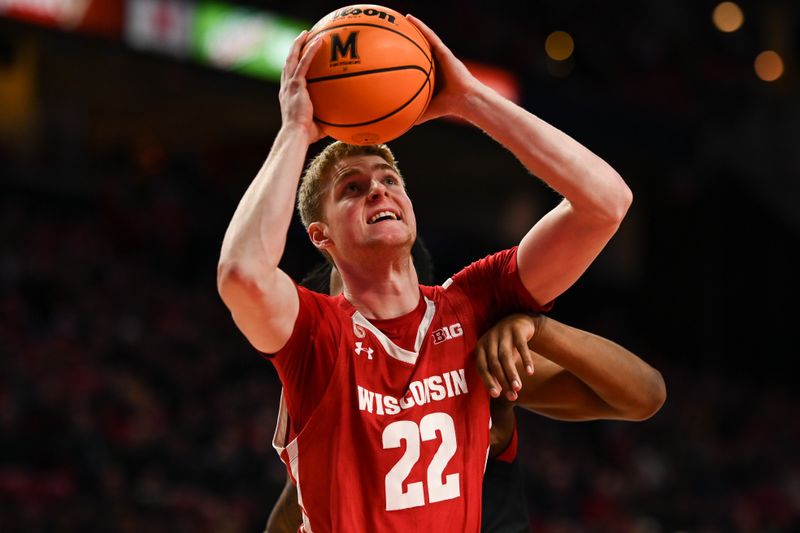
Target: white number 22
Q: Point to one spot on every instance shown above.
(405, 430)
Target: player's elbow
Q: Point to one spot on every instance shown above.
(618, 200)
(650, 398)
(228, 274)
(607, 206)
(233, 281)
(622, 201)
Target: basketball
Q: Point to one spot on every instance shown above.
(373, 75)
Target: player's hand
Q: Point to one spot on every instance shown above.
(500, 349)
(453, 80)
(296, 107)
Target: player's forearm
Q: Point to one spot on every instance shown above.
(283, 520)
(256, 236)
(285, 517)
(630, 386)
(590, 184)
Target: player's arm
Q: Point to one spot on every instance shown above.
(562, 245)
(503, 424)
(285, 517)
(261, 297)
(577, 375)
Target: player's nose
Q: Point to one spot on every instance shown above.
(377, 189)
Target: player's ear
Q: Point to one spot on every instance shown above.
(318, 233)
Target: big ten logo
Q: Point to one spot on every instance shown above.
(447, 333)
(344, 53)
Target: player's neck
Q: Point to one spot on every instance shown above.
(382, 291)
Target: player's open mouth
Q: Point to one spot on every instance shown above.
(383, 215)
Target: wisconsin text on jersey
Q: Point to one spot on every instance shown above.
(430, 389)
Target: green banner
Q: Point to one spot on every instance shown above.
(247, 41)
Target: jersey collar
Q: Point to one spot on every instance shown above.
(390, 347)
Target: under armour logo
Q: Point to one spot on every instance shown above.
(359, 348)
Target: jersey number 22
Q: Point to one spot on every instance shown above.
(405, 430)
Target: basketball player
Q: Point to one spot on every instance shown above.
(551, 391)
(389, 421)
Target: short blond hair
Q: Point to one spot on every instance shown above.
(315, 180)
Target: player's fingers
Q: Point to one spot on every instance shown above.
(521, 343)
(483, 371)
(308, 56)
(294, 55)
(507, 357)
(493, 359)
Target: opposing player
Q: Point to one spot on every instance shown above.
(389, 421)
(615, 384)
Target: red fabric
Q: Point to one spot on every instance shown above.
(510, 453)
(385, 444)
(402, 330)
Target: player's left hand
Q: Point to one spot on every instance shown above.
(500, 349)
(296, 107)
(454, 82)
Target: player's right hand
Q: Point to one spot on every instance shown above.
(296, 107)
(500, 350)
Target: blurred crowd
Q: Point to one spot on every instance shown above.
(129, 401)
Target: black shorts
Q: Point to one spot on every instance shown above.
(505, 505)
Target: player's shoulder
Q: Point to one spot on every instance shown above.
(447, 295)
(438, 293)
(430, 291)
(322, 320)
(499, 259)
(482, 273)
(324, 304)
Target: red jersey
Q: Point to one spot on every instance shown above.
(389, 419)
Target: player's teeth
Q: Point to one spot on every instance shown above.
(383, 214)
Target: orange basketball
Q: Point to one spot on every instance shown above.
(372, 77)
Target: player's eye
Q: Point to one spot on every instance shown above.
(351, 187)
(390, 180)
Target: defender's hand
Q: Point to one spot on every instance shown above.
(296, 106)
(499, 350)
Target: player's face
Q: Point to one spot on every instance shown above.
(366, 205)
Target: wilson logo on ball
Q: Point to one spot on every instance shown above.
(370, 12)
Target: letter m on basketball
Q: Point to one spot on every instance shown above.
(346, 49)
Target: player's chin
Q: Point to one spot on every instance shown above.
(392, 235)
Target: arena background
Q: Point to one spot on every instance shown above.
(129, 130)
